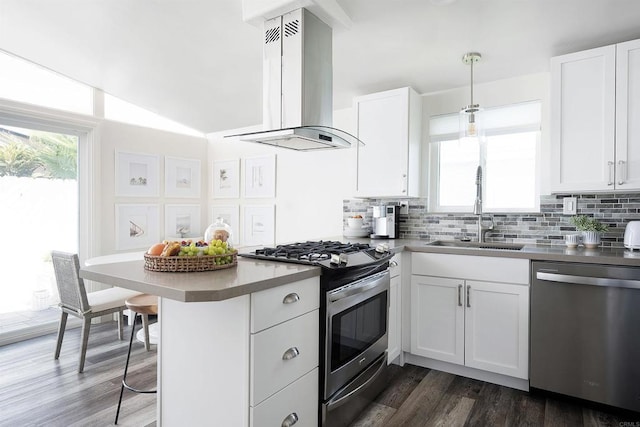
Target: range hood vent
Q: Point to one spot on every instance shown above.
(298, 85)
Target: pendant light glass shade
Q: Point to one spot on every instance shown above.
(471, 125)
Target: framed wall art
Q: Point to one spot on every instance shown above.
(231, 216)
(137, 226)
(181, 177)
(260, 177)
(226, 179)
(259, 225)
(137, 174)
(182, 222)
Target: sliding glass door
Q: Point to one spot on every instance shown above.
(39, 212)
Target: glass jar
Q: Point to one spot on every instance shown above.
(219, 230)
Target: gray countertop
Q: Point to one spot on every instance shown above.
(254, 275)
(247, 277)
(610, 256)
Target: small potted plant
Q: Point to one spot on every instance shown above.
(591, 230)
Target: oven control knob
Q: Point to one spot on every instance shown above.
(382, 248)
(339, 259)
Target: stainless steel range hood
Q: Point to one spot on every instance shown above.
(298, 85)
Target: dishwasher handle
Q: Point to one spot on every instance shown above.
(590, 281)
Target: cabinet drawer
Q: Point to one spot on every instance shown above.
(395, 265)
(285, 302)
(283, 353)
(297, 401)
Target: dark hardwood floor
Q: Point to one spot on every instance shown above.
(421, 397)
(35, 390)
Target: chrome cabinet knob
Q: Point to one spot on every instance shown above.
(393, 264)
(291, 353)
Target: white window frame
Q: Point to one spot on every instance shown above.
(446, 135)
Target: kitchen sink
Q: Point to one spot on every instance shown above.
(475, 245)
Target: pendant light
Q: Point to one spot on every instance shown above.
(470, 116)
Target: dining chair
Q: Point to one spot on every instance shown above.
(75, 300)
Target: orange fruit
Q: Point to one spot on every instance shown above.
(156, 249)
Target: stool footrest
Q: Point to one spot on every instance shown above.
(128, 387)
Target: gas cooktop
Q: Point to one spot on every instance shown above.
(326, 253)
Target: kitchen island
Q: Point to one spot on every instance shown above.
(208, 372)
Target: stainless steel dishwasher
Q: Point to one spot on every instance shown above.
(585, 332)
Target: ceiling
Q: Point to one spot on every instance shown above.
(197, 63)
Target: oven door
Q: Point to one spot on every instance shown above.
(357, 318)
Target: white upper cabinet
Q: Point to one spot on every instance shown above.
(628, 115)
(389, 125)
(595, 103)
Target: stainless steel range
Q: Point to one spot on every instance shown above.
(354, 305)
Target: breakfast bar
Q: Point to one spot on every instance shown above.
(205, 359)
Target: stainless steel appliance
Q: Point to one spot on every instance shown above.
(298, 85)
(386, 222)
(585, 332)
(354, 306)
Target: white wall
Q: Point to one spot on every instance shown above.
(310, 186)
(502, 92)
(125, 137)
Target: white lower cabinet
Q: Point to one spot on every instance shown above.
(282, 354)
(481, 324)
(248, 360)
(395, 310)
(295, 404)
(437, 313)
(497, 328)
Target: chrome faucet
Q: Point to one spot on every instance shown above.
(477, 207)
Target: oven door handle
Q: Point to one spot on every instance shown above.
(369, 283)
(351, 391)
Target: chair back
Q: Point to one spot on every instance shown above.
(73, 295)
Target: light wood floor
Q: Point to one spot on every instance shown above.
(35, 390)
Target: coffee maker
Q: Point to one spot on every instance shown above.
(386, 222)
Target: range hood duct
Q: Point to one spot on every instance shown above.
(298, 85)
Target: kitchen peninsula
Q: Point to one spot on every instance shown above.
(209, 322)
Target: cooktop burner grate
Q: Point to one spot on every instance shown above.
(311, 250)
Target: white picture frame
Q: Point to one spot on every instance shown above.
(137, 174)
(258, 225)
(260, 177)
(226, 179)
(231, 216)
(137, 226)
(182, 222)
(182, 177)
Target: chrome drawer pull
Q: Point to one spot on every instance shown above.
(393, 264)
(290, 420)
(291, 353)
(611, 173)
(291, 298)
(459, 295)
(468, 296)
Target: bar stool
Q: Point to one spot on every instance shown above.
(142, 305)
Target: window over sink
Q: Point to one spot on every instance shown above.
(509, 155)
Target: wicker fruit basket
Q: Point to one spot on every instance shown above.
(185, 264)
